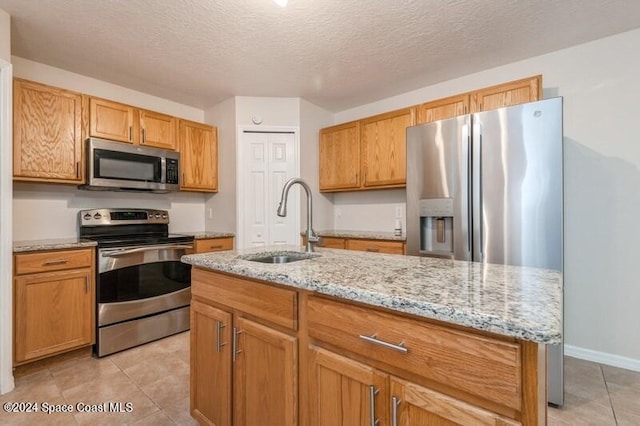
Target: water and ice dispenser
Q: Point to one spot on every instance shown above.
(436, 227)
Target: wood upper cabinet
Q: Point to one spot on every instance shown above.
(384, 151)
(265, 376)
(125, 123)
(414, 405)
(47, 133)
(210, 364)
(54, 303)
(339, 153)
(508, 94)
(443, 108)
(198, 157)
(112, 120)
(158, 130)
(343, 392)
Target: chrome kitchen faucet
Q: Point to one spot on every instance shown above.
(312, 238)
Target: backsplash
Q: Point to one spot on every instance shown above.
(370, 210)
(51, 211)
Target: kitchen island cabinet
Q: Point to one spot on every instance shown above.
(393, 338)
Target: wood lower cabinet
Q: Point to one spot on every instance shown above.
(415, 405)
(359, 244)
(243, 371)
(210, 364)
(213, 244)
(54, 303)
(286, 354)
(343, 392)
(264, 378)
(47, 133)
(339, 153)
(198, 156)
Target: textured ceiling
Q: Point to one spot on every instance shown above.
(335, 53)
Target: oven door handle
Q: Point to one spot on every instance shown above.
(122, 252)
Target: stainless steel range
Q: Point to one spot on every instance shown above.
(143, 290)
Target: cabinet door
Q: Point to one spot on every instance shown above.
(443, 108)
(158, 130)
(265, 382)
(417, 406)
(339, 153)
(47, 133)
(111, 120)
(508, 94)
(384, 148)
(199, 157)
(343, 392)
(54, 312)
(210, 365)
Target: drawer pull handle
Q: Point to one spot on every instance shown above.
(219, 246)
(55, 262)
(372, 405)
(219, 343)
(372, 249)
(372, 339)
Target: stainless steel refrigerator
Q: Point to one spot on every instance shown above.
(487, 187)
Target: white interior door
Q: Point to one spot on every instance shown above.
(268, 161)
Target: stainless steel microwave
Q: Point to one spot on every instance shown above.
(117, 166)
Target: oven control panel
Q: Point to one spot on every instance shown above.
(112, 217)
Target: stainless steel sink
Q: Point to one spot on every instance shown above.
(278, 257)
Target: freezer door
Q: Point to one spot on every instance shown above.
(438, 167)
(517, 188)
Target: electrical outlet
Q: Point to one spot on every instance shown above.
(399, 212)
(210, 213)
(338, 212)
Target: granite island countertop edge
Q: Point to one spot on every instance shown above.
(524, 303)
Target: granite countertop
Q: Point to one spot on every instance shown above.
(524, 303)
(51, 244)
(208, 234)
(367, 235)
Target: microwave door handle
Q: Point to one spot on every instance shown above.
(116, 253)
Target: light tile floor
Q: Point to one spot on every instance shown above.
(155, 379)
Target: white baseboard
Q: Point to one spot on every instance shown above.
(602, 357)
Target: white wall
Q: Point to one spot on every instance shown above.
(220, 208)
(6, 281)
(312, 119)
(272, 111)
(59, 204)
(5, 36)
(599, 83)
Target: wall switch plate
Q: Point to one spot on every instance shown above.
(338, 212)
(210, 213)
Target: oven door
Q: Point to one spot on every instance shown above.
(137, 281)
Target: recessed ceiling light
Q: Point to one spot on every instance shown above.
(281, 3)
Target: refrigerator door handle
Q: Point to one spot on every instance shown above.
(476, 168)
(465, 167)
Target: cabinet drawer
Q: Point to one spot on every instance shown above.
(391, 247)
(479, 365)
(272, 304)
(214, 244)
(28, 263)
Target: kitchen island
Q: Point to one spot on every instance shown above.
(353, 337)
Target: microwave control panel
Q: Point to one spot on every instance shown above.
(172, 171)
